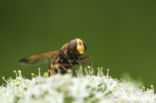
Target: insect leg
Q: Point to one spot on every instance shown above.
(79, 61)
(74, 70)
(62, 65)
(87, 57)
(89, 63)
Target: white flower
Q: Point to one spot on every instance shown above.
(65, 88)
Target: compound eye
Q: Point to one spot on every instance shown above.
(72, 45)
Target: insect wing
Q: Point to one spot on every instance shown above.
(39, 58)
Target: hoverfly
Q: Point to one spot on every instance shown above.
(65, 58)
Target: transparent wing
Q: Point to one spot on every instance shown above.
(39, 58)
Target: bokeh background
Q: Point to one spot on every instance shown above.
(120, 35)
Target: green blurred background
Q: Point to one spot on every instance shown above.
(120, 35)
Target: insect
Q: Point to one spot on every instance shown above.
(61, 60)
